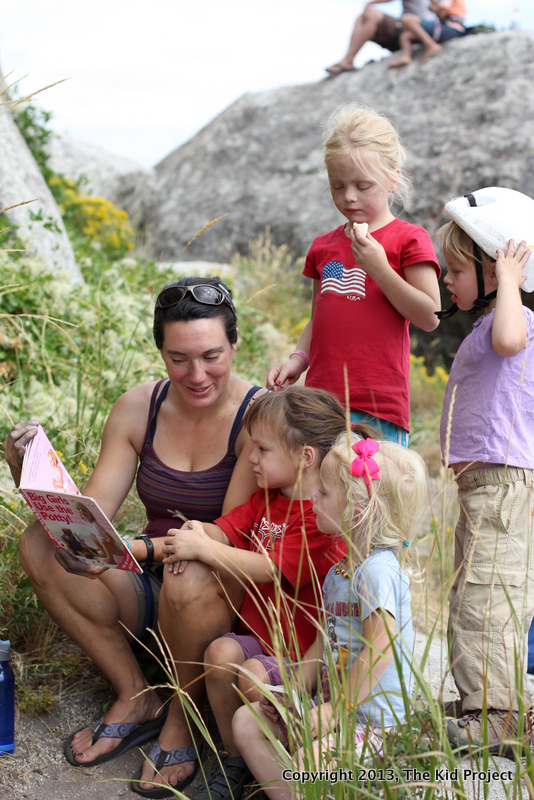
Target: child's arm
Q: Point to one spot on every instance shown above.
(197, 545)
(283, 375)
(312, 659)
(364, 674)
(416, 296)
(168, 549)
(509, 332)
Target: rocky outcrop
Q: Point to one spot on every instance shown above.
(465, 118)
(39, 225)
(127, 184)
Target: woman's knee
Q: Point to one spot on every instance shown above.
(194, 588)
(35, 551)
(373, 16)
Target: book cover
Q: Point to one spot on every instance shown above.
(73, 521)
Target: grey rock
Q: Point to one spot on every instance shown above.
(128, 185)
(465, 118)
(40, 225)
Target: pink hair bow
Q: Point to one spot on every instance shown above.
(364, 466)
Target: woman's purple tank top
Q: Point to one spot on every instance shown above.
(198, 495)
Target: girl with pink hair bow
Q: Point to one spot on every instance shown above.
(372, 494)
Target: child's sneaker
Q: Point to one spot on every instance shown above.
(468, 732)
(453, 708)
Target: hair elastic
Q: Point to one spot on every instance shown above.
(364, 466)
(406, 543)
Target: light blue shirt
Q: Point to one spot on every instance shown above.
(379, 583)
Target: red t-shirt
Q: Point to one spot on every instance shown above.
(287, 531)
(355, 324)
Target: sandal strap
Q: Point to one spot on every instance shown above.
(168, 758)
(112, 730)
(233, 773)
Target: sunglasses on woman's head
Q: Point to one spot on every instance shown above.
(202, 293)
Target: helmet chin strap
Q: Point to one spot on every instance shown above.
(483, 299)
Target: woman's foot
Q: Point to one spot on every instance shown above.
(401, 61)
(168, 740)
(144, 708)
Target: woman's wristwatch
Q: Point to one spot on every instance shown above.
(149, 560)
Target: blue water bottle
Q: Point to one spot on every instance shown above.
(7, 701)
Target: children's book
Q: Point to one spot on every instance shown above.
(290, 712)
(73, 521)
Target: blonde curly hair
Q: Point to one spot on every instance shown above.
(386, 513)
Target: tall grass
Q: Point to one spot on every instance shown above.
(417, 760)
(67, 353)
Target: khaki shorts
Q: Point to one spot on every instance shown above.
(492, 600)
(388, 33)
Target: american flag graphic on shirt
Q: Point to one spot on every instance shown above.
(343, 280)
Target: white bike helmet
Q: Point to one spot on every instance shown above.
(491, 217)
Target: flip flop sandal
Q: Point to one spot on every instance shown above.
(131, 734)
(332, 71)
(166, 758)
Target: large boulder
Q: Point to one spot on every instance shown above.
(40, 225)
(465, 118)
(128, 185)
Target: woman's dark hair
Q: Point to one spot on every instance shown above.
(300, 416)
(190, 309)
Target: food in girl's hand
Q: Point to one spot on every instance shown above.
(361, 227)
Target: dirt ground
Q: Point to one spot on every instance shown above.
(38, 769)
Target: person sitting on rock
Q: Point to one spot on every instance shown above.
(374, 26)
(448, 25)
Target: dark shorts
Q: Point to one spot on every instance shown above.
(147, 590)
(388, 33)
(252, 649)
(440, 31)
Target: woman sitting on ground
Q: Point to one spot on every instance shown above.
(185, 433)
(448, 25)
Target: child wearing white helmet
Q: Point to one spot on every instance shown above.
(487, 437)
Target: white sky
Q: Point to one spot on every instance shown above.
(145, 76)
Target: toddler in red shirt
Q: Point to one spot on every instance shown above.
(272, 544)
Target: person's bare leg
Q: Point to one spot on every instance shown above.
(247, 684)
(261, 758)
(221, 655)
(88, 611)
(193, 611)
(412, 24)
(221, 678)
(364, 29)
(405, 41)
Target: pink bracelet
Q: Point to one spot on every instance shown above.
(303, 355)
